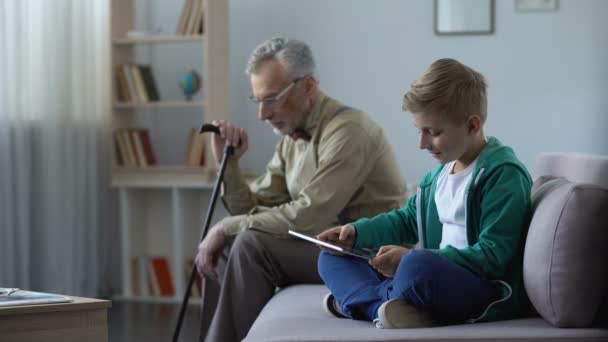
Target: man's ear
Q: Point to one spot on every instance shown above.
(310, 84)
(474, 124)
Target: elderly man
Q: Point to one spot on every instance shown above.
(332, 165)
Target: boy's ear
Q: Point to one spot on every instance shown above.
(474, 124)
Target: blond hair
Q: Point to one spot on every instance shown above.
(449, 88)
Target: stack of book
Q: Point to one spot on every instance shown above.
(151, 277)
(135, 84)
(195, 155)
(191, 20)
(133, 148)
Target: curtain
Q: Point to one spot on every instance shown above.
(54, 144)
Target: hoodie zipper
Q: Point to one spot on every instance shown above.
(421, 238)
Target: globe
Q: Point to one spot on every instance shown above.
(190, 84)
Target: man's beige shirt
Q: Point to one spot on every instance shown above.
(346, 171)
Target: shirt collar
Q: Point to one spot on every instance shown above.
(311, 122)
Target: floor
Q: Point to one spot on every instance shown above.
(132, 322)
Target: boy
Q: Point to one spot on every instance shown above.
(470, 215)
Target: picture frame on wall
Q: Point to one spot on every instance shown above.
(536, 5)
(464, 17)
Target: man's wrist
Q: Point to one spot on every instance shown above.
(219, 229)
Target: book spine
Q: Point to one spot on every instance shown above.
(149, 83)
(163, 276)
(147, 145)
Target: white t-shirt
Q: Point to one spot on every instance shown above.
(450, 201)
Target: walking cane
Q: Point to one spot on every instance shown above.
(228, 151)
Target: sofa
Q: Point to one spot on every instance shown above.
(565, 273)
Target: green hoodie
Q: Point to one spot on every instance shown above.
(497, 206)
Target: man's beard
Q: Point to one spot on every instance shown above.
(287, 130)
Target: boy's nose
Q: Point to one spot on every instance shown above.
(422, 142)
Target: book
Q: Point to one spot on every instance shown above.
(191, 26)
(139, 148)
(147, 144)
(183, 19)
(128, 147)
(117, 154)
(122, 86)
(195, 155)
(198, 21)
(140, 282)
(17, 297)
(149, 83)
(123, 148)
(154, 287)
(162, 275)
(126, 71)
(135, 278)
(142, 95)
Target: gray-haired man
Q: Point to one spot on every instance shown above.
(332, 165)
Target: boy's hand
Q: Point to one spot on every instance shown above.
(388, 258)
(341, 235)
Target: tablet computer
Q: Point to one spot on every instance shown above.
(365, 253)
(16, 297)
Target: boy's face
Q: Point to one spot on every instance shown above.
(445, 140)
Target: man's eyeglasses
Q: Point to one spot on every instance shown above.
(273, 100)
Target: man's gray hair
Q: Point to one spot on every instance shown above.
(294, 55)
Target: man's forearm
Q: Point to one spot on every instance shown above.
(236, 195)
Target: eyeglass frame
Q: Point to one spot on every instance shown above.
(273, 100)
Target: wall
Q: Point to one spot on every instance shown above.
(547, 71)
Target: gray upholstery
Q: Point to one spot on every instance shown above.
(565, 260)
(296, 314)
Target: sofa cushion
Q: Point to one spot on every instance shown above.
(565, 258)
(295, 313)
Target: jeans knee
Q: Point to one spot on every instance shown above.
(325, 264)
(419, 264)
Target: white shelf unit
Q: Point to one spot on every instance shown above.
(162, 207)
(157, 39)
(159, 104)
(164, 177)
(166, 220)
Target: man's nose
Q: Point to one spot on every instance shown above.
(264, 113)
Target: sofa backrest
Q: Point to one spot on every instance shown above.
(566, 252)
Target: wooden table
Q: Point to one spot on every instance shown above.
(84, 319)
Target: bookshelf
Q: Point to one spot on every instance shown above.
(162, 205)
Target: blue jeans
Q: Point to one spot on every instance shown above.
(429, 282)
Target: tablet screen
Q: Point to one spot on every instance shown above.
(366, 253)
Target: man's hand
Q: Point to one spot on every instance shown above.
(229, 135)
(209, 250)
(341, 235)
(388, 258)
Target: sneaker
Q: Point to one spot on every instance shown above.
(398, 314)
(330, 305)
